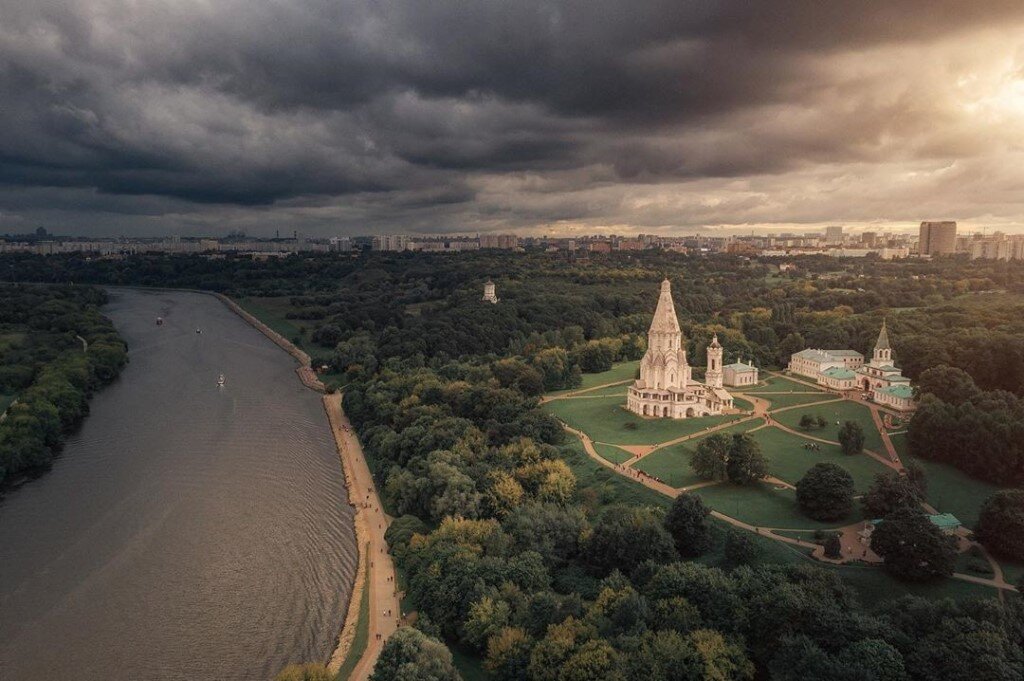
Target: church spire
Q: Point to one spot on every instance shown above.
(883, 339)
(665, 320)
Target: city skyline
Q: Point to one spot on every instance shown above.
(557, 118)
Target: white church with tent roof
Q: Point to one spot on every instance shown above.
(842, 370)
(666, 388)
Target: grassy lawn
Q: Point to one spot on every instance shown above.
(833, 412)
(612, 453)
(623, 371)
(605, 419)
(271, 311)
(741, 403)
(763, 505)
(618, 390)
(672, 464)
(780, 384)
(876, 586)
(619, 372)
(362, 635)
(781, 401)
(5, 401)
(900, 443)
(607, 487)
(949, 490)
(789, 460)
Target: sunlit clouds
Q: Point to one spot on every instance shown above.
(358, 117)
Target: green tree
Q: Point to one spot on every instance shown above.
(740, 548)
(825, 492)
(851, 438)
(508, 654)
(746, 463)
(709, 459)
(952, 385)
(914, 549)
(411, 655)
(870, 660)
(687, 522)
(891, 491)
(807, 422)
(626, 536)
(1001, 524)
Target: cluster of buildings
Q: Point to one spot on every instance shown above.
(934, 238)
(444, 244)
(843, 370)
(666, 387)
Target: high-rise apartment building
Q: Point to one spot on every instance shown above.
(937, 238)
(834, 235)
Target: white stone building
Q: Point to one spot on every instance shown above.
(738, 374)
(490, 295)
(845, 370)
(666, 387)
(811, 362)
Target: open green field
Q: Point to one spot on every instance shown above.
(741, 403)
(671, 464)
(618, 390)
(873, 584)
(834, 412)
(779, 384)
(789, 460)
(605, 419)
(784, 400)
(620, 372)
(271, 311)
(607, 486)
(949, 490)
(876, 586)
(612, 453)
(762, 505)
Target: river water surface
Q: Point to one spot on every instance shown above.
(188, 531)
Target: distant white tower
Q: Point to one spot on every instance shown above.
(713, 375)
(489, 295)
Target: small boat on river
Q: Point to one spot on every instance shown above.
(220, 380)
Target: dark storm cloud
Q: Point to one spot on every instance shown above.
(401, 106)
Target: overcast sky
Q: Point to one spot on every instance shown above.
(351, 117)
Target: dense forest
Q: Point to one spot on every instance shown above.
(507, 554)
(55, 350)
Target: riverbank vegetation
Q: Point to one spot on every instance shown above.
(56, 349)
(543, 574)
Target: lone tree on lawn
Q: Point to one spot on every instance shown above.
(893, 490)
(708, 461)
(807, 422)
(851, 437)
(1001, 524)
(914, 549)
(687, 522)
(825, 492)
(739, 460)
(746, 463)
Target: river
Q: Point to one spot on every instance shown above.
(187, 531)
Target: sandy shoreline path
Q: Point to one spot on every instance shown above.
(371, 524)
